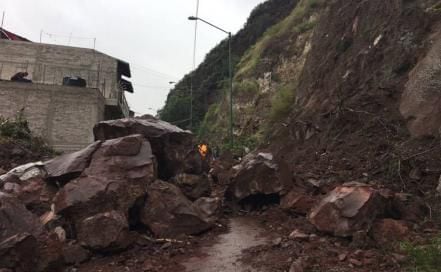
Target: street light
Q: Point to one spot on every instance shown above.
(230, 68)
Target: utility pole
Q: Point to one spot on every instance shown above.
(3, 19)
(230, 72)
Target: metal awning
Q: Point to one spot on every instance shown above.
(124, 69)
(126, 85)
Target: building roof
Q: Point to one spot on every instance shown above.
(6, 35)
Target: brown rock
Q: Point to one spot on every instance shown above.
(24, 172)
(105, 231)
(118, 175)
(75, 254)
(69, 166)
(19, 252)
(296, 266)
(421, 99)
(193, 186)
(209, 208)
(16, 219)
(171, 145)
(347, 209)
(298, 235)
(388, 230)
(257, 174)
(168, 213)
(297, 202)
(408, 207)
(37, 195)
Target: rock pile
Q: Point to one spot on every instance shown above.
(62, 211)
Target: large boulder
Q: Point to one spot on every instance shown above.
(35, 194)
(171, 145)
(16, 219)
(348, 209)
(168, 213)
(117, 176)
(258, 174)
(193, 186)
(24, 172)
(105, 231)
(69, 166)
(20, 232)
(209, 208)
(19, 252)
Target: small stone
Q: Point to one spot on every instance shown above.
(342, 257)
(166, 245)
(355, 262)
(298, 235)
(61, 234)
(399, 257)
(296, 266)
(277, 241)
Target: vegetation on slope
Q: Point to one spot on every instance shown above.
(18, 145)
(210, 79)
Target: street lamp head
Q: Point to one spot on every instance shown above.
(192, 18)
(171, 82)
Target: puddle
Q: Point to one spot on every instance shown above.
(225, 253)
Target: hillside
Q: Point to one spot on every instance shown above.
(210, 79)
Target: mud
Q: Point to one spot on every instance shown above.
(225, 253)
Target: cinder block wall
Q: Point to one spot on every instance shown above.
(48, 64)
(64, 116)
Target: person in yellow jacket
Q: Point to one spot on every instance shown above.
(203, 150)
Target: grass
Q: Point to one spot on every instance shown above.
(424, 258)
(282, 102)
(247, 86)
(298, 21)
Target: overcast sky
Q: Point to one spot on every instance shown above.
(155, 37)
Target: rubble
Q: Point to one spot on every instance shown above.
(347, 209)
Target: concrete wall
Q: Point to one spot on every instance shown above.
(48, 64)
(64, 116)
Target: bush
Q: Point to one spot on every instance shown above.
(424, 258)
(247, 86)
(17, 131)
(282, 102)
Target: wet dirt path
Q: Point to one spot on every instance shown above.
(225, 253)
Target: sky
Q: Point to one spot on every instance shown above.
(155, 37)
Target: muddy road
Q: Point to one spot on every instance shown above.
(225, 253)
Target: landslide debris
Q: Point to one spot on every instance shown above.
(104, 199)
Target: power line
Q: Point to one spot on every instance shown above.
(150, 70)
